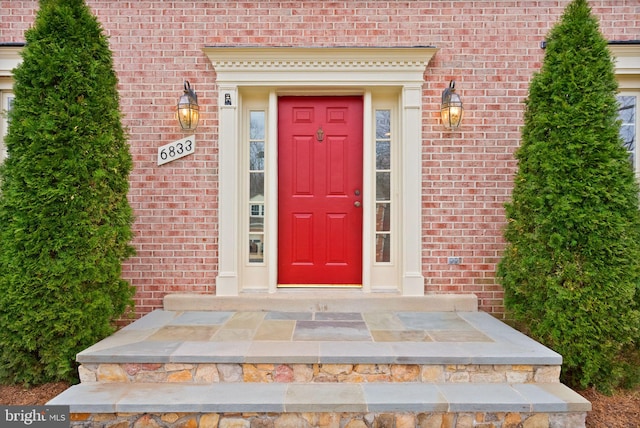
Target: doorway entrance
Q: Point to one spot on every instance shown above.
(388, 84)
(320, 191)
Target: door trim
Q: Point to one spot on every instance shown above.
(331, 71)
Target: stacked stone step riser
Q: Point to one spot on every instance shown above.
(328, 420)
(204, 373)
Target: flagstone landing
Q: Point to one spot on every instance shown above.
(320, 362)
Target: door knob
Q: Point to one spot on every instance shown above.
(357, 204)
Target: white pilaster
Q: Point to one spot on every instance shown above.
(227, 283)
(412, 279)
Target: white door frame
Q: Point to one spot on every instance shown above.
(329, 71)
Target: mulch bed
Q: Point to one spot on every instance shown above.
(621, 410)
(16, 395)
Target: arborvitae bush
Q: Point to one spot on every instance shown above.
(571, 270)
(65, 222)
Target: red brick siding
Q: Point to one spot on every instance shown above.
(491, 49)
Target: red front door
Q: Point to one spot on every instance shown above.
(320, 191)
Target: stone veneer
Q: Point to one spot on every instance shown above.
(203, 373)
(329, 420)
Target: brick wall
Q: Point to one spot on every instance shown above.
(491, 49)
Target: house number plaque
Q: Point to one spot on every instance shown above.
(176, 150)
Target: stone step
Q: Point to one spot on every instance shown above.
(197, 347)
(107, 404)
(308, 300)
(319, 338)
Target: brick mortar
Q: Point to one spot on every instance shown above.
(205, 373)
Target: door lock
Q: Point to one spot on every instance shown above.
(357, 204)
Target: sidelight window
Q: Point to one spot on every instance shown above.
(256, 186)
(383, 186)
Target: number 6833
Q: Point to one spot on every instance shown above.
(176, 150)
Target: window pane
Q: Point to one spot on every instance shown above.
(256, 127)
(256, 187)
(627, 115)
(383, 217)
(256, 219)
(627, 109)
(383, 248)
(256, 248)
(256, 156)
(628, 134)
(383, 155)
(383, 186)
(383, 124)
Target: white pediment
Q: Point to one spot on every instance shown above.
(336, 66)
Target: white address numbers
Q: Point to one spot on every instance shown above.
(176, 150)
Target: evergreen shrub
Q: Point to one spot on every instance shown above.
(65, 222)
(571, 270)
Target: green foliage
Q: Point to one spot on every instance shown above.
(571, 270)
(65, 222)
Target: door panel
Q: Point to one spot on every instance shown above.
(303, 163)
(320, 190)
(301, 243)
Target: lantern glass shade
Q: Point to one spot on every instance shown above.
(188, 109)
(451, 110)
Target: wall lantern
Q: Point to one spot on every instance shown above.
(188, 109)
(451, 109)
